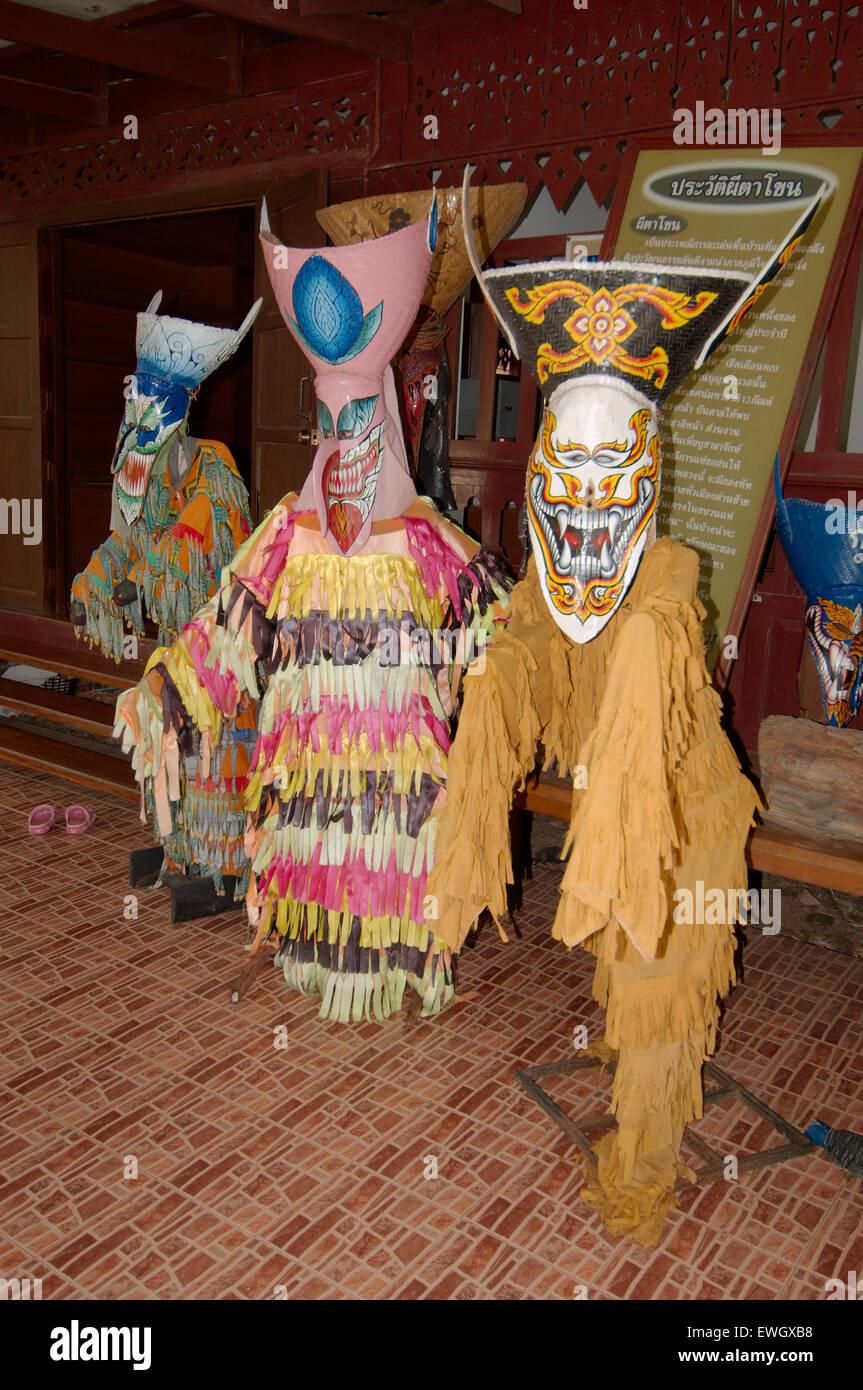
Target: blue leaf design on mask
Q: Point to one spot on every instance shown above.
(329, 312)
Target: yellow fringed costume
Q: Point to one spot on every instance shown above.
(604, 663)
(665, 805)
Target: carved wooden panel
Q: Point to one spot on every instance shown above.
(239, 136)
(549, 96)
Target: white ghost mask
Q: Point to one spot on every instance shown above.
(592, 490)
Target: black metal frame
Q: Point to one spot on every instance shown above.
(713, 1163)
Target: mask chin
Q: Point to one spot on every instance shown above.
(348, 471)
(592, 491)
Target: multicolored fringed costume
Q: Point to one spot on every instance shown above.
(604, 664)
(362, 661)
(179, 505)
(179, 511)
(351, 614)
(173, 553)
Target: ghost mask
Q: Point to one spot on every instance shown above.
(607, 343)
(156, 415)
(834, 632)
(592, 489)
(350, 308)
(352, 423)
(173, 357)
(826, 559)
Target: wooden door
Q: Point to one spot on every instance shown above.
(23, 522)
(283, 411)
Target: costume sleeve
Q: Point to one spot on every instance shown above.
(94, 586)
(177, 575)
(209, 673)
(506, 703)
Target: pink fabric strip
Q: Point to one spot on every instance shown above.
(384, 893)
(437, 561)
(385, 729)
(275, 556)
(222, 689)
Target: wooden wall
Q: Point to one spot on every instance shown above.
(21, 565)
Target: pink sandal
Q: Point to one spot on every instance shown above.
(41, 818)
(79, 819)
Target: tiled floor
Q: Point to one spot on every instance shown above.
(307, 1171)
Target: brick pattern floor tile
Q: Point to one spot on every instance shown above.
(158, 1142)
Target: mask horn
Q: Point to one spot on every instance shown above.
(248, 321)
(762, 280)
(783, 520)
(474, 258)
(154, 303)
(264, 228)
(432, 222)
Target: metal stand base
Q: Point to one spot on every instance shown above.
(713, 1163)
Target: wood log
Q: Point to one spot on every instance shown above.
(812, 777)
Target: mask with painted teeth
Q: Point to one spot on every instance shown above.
(156, 413)
(352, 424)
(349, 484)
(173, 357)
(835, 636)
(349, 308)
(592, 489)
(825, 553)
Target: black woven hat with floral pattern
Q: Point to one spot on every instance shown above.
(643, 324)
(648, 325)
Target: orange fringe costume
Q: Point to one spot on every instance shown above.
(173, 552)
(665, 806)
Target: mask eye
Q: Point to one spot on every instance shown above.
(606, 456)
(356, 416)
(325, 421)
(611, 457)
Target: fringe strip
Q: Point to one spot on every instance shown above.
(349, 997)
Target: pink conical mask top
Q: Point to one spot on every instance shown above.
(350, 308)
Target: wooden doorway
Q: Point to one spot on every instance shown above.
(97, 275)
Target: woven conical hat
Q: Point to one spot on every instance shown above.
(494, 212)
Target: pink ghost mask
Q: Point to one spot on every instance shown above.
(350, 308)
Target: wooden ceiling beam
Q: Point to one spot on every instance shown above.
(309, 8)
(443, 11)
(38, 98)
(58, 33)
(288, 65)
(380, 38)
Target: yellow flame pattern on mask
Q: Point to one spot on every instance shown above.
(567, 595)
